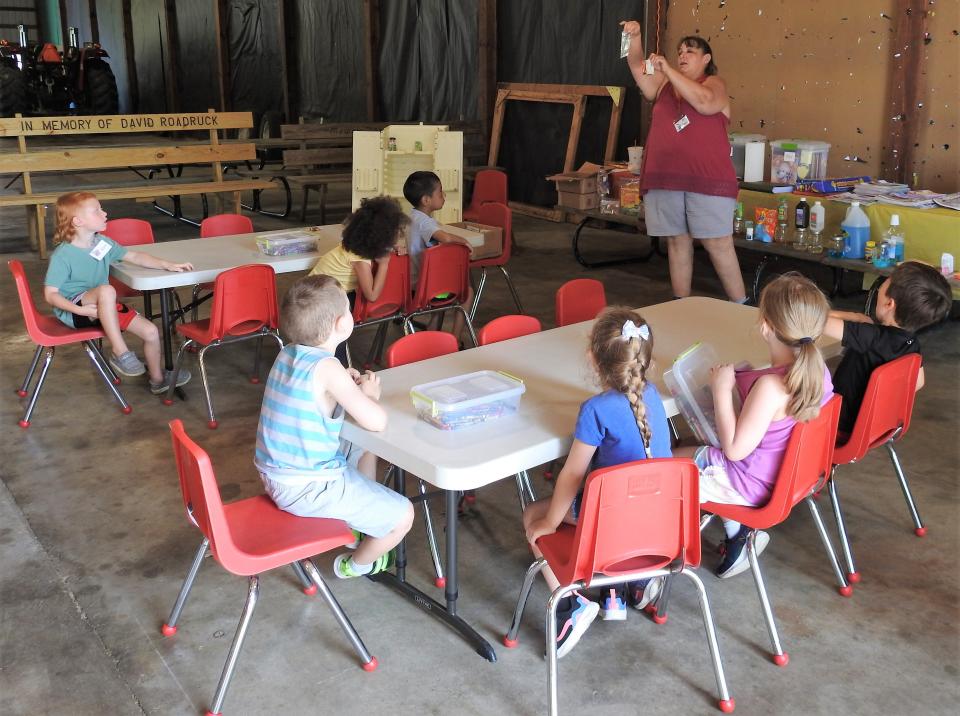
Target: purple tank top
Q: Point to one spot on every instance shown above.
(754, 476)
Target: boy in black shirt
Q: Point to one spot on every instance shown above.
(915, 297)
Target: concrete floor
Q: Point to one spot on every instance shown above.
(95, 545)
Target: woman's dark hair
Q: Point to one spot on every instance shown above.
(699, 43)
(372, 230)
(419, 185)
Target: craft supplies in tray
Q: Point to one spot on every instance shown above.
(287, 242)
(469, 399)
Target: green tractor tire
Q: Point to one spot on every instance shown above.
(13, 90)
(100, 88)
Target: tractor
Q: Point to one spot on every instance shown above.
(38, 79)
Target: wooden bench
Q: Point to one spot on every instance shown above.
(41, 159)
(316, 155)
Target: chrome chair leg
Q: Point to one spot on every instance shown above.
(170, 627)
(513, 289)
(308, 586)
(479, 292)
(844, 588)
(369, 663)
(711, 630)
(852, 574)
(103, 368)
(532, 571)
(469, 322)
(431, 537)
(674, 433)
(31, 404)
(779, 657)
(551, 631)
(253, 591)
(177, 364)
(33, 369)
(212, 418)
(919, 529)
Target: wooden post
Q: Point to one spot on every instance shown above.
(371, 43)
(653, 27)
(904, 88)
(486, 62)
(35, 224)
(497, 128)
(170, 60)
(128, 50)
(284, 74)
(220, 32)
(579, 107)
(616, 94)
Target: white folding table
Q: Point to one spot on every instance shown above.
(210, 257)
(555, 371)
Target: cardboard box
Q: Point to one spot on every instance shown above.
(487, 241)
(575, 183)
(578, 201)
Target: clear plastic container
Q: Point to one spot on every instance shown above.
(689, 383)
(465, 400)
(289, 242)
(792, 159)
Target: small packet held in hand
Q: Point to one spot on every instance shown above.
(648, 68)
(624, 44)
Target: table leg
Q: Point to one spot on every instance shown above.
(448, 614)
(643, 258)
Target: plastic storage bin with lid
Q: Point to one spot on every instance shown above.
(689, 383)
(287, 242)
(738, 153)
(469, 399)
(792, 159)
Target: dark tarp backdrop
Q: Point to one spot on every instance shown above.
(255, 56)
(149, 43)
(197, 89)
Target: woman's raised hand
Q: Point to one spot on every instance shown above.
(631, 27)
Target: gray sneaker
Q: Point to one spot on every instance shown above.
(163, 386)
(128, 364)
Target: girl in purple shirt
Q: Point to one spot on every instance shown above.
(744, 467)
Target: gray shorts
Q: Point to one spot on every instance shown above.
(364, 504)
(671, 213)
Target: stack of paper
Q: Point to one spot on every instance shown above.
(918, 199)
(949, 201)
(878, 188)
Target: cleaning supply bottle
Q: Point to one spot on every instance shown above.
(894, 237)
(857, 226)
(817, 222)
(801, 221)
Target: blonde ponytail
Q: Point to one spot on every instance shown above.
(796, 311)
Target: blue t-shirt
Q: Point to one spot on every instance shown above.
(422, 228)
(607, 421)
(73, 270)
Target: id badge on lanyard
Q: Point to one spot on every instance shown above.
(100, 250)
(681, 123)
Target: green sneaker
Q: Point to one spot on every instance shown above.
(343, 570)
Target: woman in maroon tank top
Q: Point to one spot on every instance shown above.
(688, 181)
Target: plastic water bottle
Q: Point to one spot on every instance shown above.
(817, 222)
(781, 236)
(894, 236)
(857, 226)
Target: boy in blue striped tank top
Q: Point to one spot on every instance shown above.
(306, 468)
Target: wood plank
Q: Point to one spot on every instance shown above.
(905, 83)
(145, 190)
(301, 180)
(592, 90)
(121, 123)
(486, 62)
(497, 128)
(371, 45)
(222, 43)
(306, 157)
(540, 212)
(573, 141)
(118, 157)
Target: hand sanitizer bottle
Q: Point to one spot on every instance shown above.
(894, 236)
(817, 221)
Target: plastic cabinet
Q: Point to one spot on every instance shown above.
(382, 161)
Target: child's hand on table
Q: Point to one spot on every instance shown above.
(177, 268)
(369, 384)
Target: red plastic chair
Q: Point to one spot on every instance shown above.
(48, 333)
(444, 270)
(496, 214)
(388, 307)
(883, 419)
(128, 232)
(244, 307)
(412, 349)
(506, 327)
(248, 537)
(637, 520)
(217, 225)
(490, 185)
(579, 300)
(806, 466)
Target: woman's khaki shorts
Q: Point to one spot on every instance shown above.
(671, 213)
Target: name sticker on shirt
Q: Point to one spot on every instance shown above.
(681, 123)
(100, 250)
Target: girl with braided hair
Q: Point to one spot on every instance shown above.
(625, 422)
(743, 468)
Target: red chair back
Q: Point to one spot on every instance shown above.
(579, 300)
(420, 346)
(394, 296)
(244, 301)
(887, 405)
(506, 327)
(200, 492)
(225, 225)
(496, 214)
(130, 232)
(489, 185)
(806, 464)
(636, 516)
(445, 269)
(43, 329)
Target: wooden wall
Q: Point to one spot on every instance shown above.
(821, 69)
